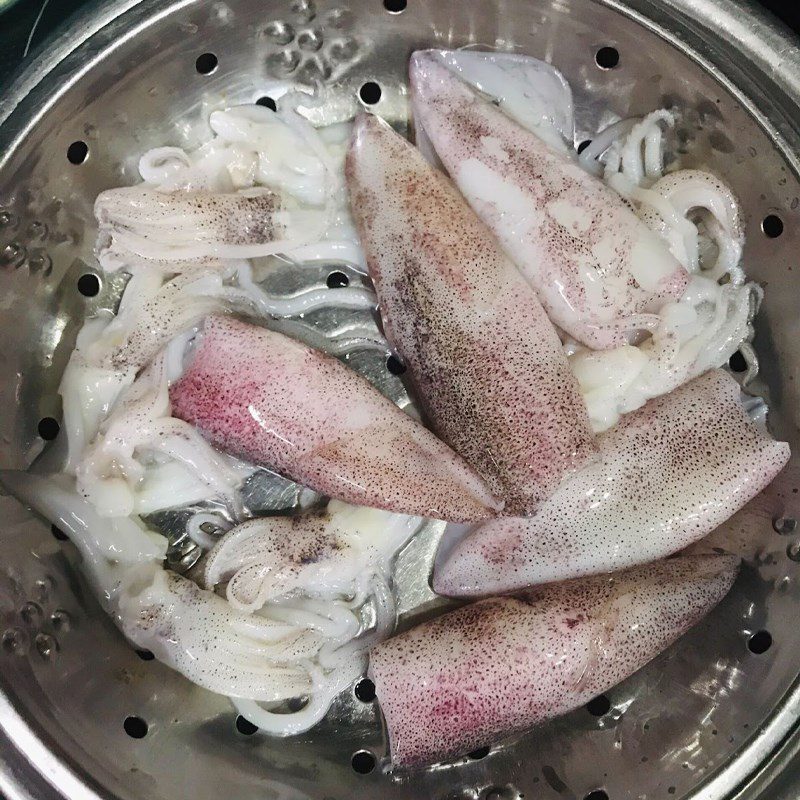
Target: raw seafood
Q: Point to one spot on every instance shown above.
(699, 218)
(485, 360)
(262, 396)
(669, 474)
(309, 641)
(595, 265)
(501, 665)
(139, 434)
(264, 558)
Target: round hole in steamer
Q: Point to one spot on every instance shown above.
(395, 365)
(89, 285)
(245, 727)
(365, 690)
(135, 727)
(48, 428)
(607, 57)
(785, 526)
(597, 794)
(267, 102)
(145, 655)
(370, 93)
(583, 145)
(77, 153)
(363, 762)
(395, 6)
(759, 642)
(337, 280)
(599, 706)
(772, 226)
(58, 533)
(737, 362)
(206, 63)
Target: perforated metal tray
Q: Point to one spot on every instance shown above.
(707, 719)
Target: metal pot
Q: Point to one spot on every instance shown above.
(711, 718)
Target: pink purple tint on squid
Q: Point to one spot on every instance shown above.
(481, 268)
(262, 396)
(499, 666)
(668, 475)
(484, 358)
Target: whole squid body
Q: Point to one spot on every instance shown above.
(597, 268)
(274, 401)
(501, 665)
(481, 352)
(669, 474)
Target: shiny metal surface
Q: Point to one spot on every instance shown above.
(708, 719)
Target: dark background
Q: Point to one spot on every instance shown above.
(17, 23)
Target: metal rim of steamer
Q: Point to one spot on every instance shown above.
(742, 48)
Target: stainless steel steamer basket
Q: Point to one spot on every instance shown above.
(708, 719)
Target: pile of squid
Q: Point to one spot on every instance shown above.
(562, 319)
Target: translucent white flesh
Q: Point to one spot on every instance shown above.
(669, 474)
(324, 553)
(528, 90)
(288, 648)
(140, 430)
(311, 643)
(470, 677)
(107, 547)
(712, 319)
(595, 266)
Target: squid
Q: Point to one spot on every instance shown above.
(485, 360)
(264, 558)
(502, 665)
(669, 474)
(215, 646)
(188, 628)
(267, 183)
(183, 225)
(309, 641)
(700, 220)
(139, 439)
(599, 271)
(276, 402)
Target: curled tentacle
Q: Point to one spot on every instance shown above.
(140, 429)
(589, 157)
(688, 191)
(698, 216)
(214, 645)
(268, 557)
(700, 332)
(643, 151)
(162, 165)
